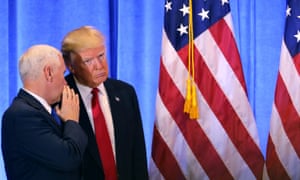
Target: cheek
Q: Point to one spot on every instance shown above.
(82, 70)
(61, 82)
(105, 66)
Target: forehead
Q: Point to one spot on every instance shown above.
(90, 52)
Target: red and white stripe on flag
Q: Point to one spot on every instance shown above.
(283, 149)
(223, 142)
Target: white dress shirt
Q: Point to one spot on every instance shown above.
(86, 96)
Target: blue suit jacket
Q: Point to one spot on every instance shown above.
(34, 147)
(129, 136)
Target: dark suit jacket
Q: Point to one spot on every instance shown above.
(35, 148)
(129, 136)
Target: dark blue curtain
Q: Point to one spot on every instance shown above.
(133, 33)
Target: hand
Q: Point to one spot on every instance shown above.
(69, 105)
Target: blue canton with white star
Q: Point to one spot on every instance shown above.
(292, 27)
(205, 14)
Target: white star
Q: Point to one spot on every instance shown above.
(288, 11)
(182, 29)
(204, 14)
(168, 6)
(185, 10)
(225, 1)
(298, 17)
(297, 36)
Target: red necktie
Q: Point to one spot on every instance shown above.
(103, 141)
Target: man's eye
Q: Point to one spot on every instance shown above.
(101, 56)
(88, 61)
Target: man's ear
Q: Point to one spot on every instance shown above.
(48, 73)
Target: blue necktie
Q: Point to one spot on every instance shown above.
(55, 116)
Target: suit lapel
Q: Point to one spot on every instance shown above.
(85, 122)
(115, 101)
(37, 105)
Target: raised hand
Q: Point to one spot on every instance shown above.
(69, 109)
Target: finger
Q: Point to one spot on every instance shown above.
(72, 93)
(77, 99)
(68, 91)
(65, 92)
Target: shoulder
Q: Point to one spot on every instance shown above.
(24, 108)
(24, 102)
(119, 88)
(118, 84)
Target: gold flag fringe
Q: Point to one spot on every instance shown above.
(190, 104)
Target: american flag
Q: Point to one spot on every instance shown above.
(283, 150)
(223, 142)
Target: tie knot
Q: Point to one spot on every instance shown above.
(95, 91)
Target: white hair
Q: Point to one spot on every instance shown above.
(33, 61)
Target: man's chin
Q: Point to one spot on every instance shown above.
(100, 80)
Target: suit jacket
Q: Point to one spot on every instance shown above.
(35, 147)
(129, 136)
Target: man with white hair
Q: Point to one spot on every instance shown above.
(36, 145)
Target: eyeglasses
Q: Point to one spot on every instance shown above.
(91, 61)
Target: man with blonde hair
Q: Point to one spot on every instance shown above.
(36, 145)
(109, 111)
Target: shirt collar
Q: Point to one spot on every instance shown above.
(85, 91)
(40, 99)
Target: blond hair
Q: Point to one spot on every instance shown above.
(82, 38)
